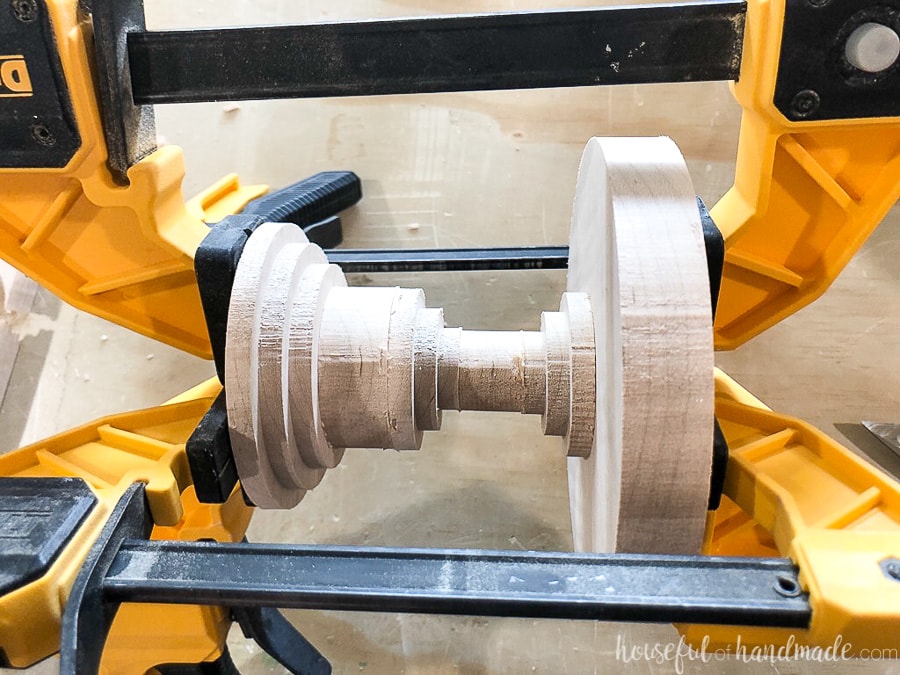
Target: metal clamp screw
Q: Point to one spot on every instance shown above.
(891, 568)
(787, 587)
(805, 104)
(25, 11)
(43, 135)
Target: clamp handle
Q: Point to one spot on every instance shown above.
(312, 204)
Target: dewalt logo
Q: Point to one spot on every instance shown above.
(14, 79)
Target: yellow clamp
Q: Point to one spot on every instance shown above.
(793, 491)
(806, 194)
(124, 253)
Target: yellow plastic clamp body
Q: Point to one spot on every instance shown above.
(111, 454)
(806, 194)
(124, 253)
(793, 491)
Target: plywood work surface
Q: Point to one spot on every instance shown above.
(485, 169)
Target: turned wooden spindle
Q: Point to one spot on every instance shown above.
(317, 367)
(622, 372)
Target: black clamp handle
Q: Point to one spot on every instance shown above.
(312, 204)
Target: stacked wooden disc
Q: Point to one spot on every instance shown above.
(277, 436)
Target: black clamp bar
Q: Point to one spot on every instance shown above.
(526, 584)
(124, 567)
(373, 261)
(694, 41)
(90, 611)
(690, 42)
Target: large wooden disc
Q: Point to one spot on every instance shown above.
(637, 249)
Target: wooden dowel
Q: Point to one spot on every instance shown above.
(492, 370)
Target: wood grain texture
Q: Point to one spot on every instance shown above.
(314, 367)
(637, 249)
(448, 369)
(366, 367)
(405, 435)
(535, 373)
(492, 371)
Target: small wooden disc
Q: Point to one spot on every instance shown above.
(429, 328)
(306, 318)
(555, 327)
(260, 480)
(637, 249)
(579, 439)
(405, 435)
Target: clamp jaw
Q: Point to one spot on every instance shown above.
(817, 166)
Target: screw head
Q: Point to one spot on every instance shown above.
(25, 11)
(892, 569)
(787, 587)
(805, 104)
(43, 135)
(818, 4)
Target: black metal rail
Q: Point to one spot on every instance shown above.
(370, 261)
(484, 583)
(124, 567)
(696, 41)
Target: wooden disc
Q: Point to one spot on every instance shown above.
(429, 328)
(354, 387)
(557, 408)
(273, 362)
(579, 438)
(405, 435)
(637, 249)
(260, 479)
(306, 318)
